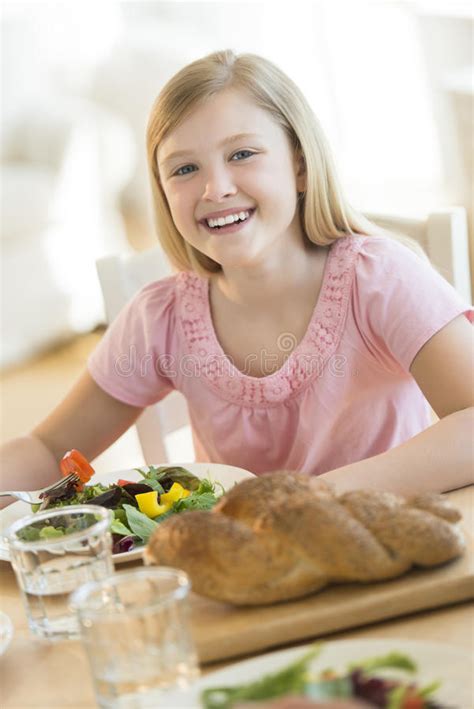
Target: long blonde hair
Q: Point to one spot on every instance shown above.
(324, 212)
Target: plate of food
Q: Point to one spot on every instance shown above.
(141, 499)
(392, 673)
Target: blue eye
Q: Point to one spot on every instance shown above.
(179, 170)
(240, 152)
(189, 169)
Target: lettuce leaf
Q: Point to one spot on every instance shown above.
(50, 532)
(118, 527)
(141, 525)
(195, 501)
(394, 660)
(290, 680)
(166, 475)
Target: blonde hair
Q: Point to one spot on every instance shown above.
(324, 212)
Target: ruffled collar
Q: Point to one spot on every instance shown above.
(307, 361)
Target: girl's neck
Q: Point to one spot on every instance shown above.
(271, 280)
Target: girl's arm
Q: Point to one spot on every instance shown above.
(87, 419)
(441, 457)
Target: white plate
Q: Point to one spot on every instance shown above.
(450, 665)
(226, 475)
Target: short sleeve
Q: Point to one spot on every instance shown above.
(400, 301)
(128, 362)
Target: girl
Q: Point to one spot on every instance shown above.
(302, 337)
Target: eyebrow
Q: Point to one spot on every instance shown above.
(226, 141)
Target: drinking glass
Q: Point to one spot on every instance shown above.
(135, 629)
(52, 553)
(6, 631)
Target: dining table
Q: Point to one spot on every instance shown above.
(36, 673)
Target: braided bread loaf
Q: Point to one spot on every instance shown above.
(285, 535)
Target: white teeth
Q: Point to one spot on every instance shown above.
(230, 219)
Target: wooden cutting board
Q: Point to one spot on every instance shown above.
(223, 631)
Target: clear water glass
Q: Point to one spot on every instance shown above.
(6, 631)
(136, 632)
(50, 568)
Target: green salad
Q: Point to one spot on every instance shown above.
(138, 506)
(375, 681)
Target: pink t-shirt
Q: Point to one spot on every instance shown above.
(345, 392)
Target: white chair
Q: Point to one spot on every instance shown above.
(163, 430)
(443, 234)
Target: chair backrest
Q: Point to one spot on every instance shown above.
(443, 234)
(163, 430)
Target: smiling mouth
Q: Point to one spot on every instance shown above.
(229, 228)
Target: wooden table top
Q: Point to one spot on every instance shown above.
(42, 675)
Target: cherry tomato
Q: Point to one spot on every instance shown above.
(74, 462)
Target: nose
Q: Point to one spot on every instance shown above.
(218, 184)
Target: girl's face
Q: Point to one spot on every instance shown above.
(229, 157)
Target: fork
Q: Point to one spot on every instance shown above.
(36, 497)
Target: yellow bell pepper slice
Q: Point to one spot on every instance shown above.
(149, 505)
(175, 493)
